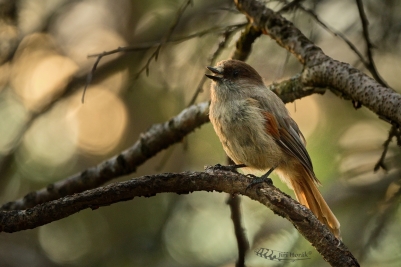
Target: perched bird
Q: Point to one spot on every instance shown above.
(257, 131)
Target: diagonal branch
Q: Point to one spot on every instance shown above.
(319, 69)
(213, 179)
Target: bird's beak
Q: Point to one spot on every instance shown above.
(217, 71)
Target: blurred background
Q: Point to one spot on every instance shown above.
(47, 134)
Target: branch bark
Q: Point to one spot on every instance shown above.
(213, 179)
(319, 69)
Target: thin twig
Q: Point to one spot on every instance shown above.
(290, 6)
(334, 32)
(89, 77)
(154, 55)
(371, 63)
(394, 132)
(146, 46)
(234, 201)
(165, 39)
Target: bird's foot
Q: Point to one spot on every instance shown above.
(259, 180)
(262, 179)
(231, 168)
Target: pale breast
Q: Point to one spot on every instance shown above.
(243, 136)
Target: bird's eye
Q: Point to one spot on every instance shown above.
(235, 73)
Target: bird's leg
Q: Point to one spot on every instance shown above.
(264, 178)
(266, 175)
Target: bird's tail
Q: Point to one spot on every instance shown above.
(307, 193)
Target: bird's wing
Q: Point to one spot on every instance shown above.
(289, 137)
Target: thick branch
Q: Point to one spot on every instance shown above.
(293, 89)
(278, 28)
(334, 251)
(321, 70)
(356, 85)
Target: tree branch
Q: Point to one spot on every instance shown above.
(158, 137)
(321, 70)
(213, 179)
(332, 31)
(394, 132)
(293, 89)
(244, 44)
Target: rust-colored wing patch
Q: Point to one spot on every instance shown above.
(271, 125)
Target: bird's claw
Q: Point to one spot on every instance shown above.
(259, 180)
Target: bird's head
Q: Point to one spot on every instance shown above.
(235, 74)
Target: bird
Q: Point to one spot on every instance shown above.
(256, 131)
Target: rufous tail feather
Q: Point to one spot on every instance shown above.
(308, 195)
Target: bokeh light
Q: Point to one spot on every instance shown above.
(101, 121)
